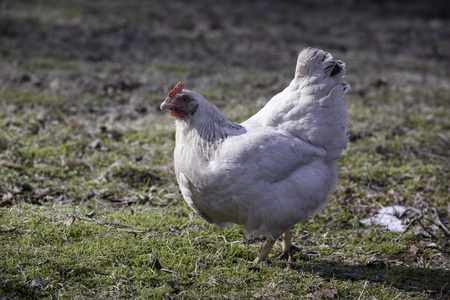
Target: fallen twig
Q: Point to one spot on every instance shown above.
(118, 226)
(162, 221)
(438, 219)
(444, 245)
(113, 225)
(409, 209)
(430, 234)
(416, 219)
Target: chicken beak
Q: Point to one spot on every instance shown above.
(176, 108)
(167, 104)
(173, 106)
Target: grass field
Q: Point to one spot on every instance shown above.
(89, 206)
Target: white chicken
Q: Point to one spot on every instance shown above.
(275, 169)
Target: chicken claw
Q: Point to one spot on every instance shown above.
(287, 249)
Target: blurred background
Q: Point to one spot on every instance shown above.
(146, 42)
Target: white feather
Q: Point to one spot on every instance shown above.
(278, 167)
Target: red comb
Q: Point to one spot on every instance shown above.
(178, 88)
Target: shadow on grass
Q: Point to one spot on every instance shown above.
(12, 290)
(433, 282)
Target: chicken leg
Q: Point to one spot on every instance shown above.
(287, 249)
(265, 250)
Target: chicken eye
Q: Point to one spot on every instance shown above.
(184, 99)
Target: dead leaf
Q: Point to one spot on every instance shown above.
(11, 165)
(5, 202)
(88, 196)
(314, 295)
(194, 228)
(156, 265)
(75, 125)
(330, 293)
(42, 116)
(111, 133)
(37, 283)
(6, 199)
(40, 193)
(432, 245)
(94, 144)
(68, 221)
(24, 186)
(418, 231)
(137, 158)
(414, 250)
(64, 120)
(396, 262)
(375, 262)
(311, 252)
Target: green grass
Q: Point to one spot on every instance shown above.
(88, 259)
(81, 134)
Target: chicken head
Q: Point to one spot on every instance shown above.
(180, 104)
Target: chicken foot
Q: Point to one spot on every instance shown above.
(287, 249)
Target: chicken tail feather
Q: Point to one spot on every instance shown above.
(312, 107)
(322, 112)
(311, 62)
